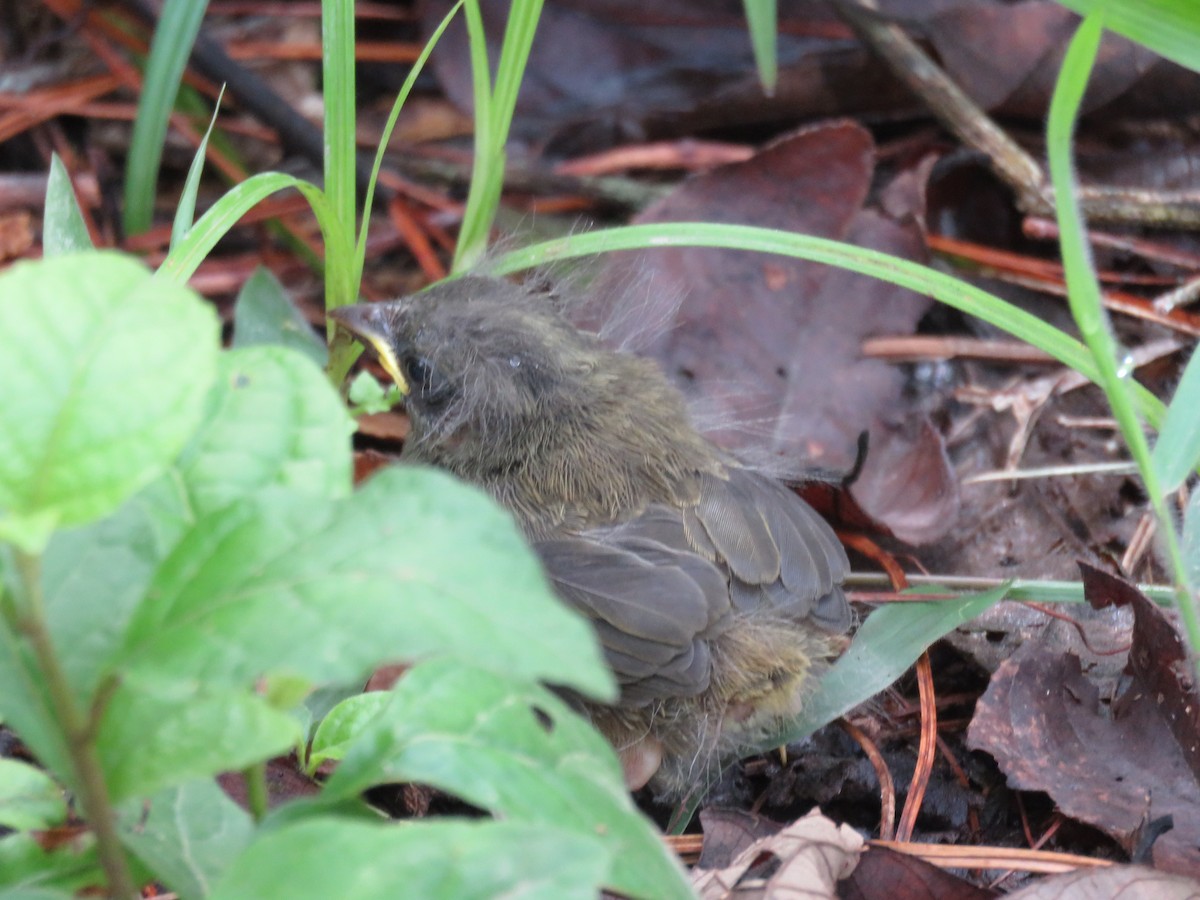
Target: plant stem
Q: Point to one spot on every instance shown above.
(1083, 295)
(1043, 591)
(89, 776)
(257, 798)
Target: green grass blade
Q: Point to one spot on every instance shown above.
(169, 51)
(184, 258)
(484, 191)
(1083, 294)
(185, 214)
(1177, 451)
(1171, 28)
(493, 117)
(889, 641)
(401, 99)
(761, 19)
(916, 277)
(337, 50)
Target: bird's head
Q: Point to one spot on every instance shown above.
(484, 366)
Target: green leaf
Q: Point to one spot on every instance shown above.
(30, 872)
(369, 396)
(385, 137)
(925, 280)
(494, 108)
(517, 751)
(1171, 28)
(344, 723)
(186, 211)
(104, 372)
(1191, 537)
(1177, 450)
(94, 577)
(761, 19)
(187, 835)
(35, 893)
(63, 228)
(273, 419)
(264, 314)
(185, 257)
(174, 35)
(25, 708)
(885, 646)
(415, 563)
(29, 798)
(448, 860)
(158, 732)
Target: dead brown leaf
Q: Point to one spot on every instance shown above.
(807, 858)
(1113, 764)
(769, 348)
(884, 874)
(1124, 882)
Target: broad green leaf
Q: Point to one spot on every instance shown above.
(29, 798)
(885, 646)
(1171, 28)
(25, 708)
(1177, 450)
(176, 30)
(517, 751)
(94, 577)
(446, 860)
(344, 723)
(34, 893)
(272, 419)
(187, 835)
(264, 314)
(63, 228)
(156, 733)
(414, 563)
(104, 372)
(369, 396)
(30, 872)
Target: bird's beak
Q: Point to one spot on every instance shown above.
(367, 322)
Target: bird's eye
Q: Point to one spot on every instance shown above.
(418, 371)
(424, 380)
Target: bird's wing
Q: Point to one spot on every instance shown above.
(655, 603)
(781, 553)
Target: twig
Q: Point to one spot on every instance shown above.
(926, 750)
(967, 121)
(887, 787)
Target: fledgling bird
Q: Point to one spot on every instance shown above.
(714, 590)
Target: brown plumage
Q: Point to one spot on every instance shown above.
(714, 590)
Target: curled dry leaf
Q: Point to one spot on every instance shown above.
(812, 855)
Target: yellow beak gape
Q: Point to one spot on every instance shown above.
(387, 359)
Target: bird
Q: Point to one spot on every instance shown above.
(715, 591)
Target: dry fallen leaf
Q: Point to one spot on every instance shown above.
(1115, 763)
(808, 858)
(1123, 882)
(768, 348)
